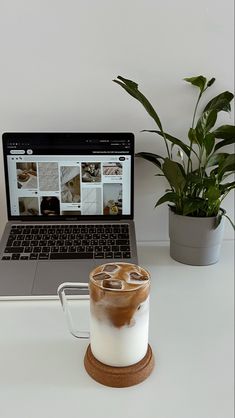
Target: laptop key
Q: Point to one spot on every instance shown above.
(26, 243)
(43, 256)
(98, 248)
(80, 249)
(14, 231)
(108, 228)
(102, 242)
(68, 243)
(117, 254)
(15, 256)
(19, 237)
(59, 243)
(37, 250)
(17, 243)
(123, 236)
(28, 249)
(112, 236)
(124, 248)
(99, 255)
(122, 242)
(126, 254)
(50, 243)
(34, 242)
(108, 255)
(85, 242)
(6, 257)
(24, 257)
(111, 242)
(63, 250)
(33, 256)
(9, 243)
(14, 250)
(64, 256)
(94, 242)
(104, 236)
(44, 243)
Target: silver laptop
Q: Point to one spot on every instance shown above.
(70, 207)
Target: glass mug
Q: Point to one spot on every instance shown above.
(119, 312)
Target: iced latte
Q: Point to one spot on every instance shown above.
(119, 313)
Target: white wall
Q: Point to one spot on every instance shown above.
(58, 59)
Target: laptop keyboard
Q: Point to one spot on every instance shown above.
(61, 242)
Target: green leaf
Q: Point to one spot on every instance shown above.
(174, 173)
(198, 81)
(192, 136)
(168, 197)
(205, 123)
(220, 102)
(129, 83)
(132, 88)
(219, 218)
(210, 82)
(172, 139)
(209, 142)
(213, 193)
(195, 178)
(209, 181)
(225, 176)
(216, 159)
(226, 187)
(191, 205)
(153, 158)
(225, 132)
(224, 143)
(228, 164)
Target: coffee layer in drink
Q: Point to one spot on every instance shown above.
(118, 292)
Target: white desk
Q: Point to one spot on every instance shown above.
(191, 334)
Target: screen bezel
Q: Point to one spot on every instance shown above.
(8, 136)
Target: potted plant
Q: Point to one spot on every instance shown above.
(197, 173)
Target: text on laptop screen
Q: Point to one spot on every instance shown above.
(69, 175)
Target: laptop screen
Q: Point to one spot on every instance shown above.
(72, 176)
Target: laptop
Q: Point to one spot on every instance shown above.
(70, 208)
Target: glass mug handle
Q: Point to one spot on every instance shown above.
(63, 299)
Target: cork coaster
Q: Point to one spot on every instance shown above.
(119, 377)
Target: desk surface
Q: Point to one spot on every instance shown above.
(191, 334)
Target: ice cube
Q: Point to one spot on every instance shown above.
(112, 284)
(101, 276)
(137, 276)
(110, 268)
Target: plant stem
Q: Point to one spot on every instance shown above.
(194, 115)
(167, 148)
(195, 110)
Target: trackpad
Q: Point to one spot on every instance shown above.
(50, 275)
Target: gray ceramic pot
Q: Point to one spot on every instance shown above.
(195, 241)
